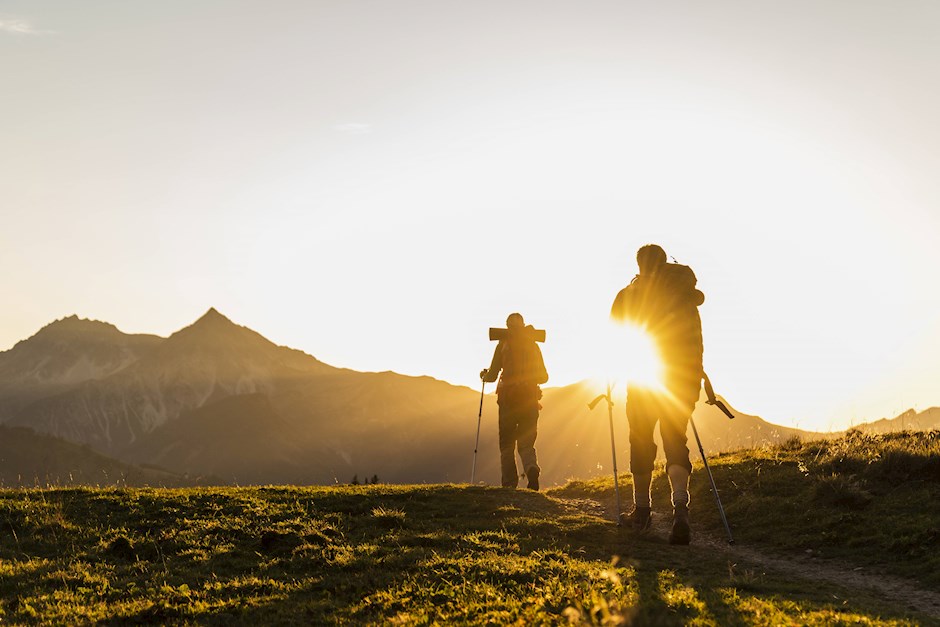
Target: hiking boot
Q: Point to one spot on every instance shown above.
(638, 520)
(681, 533)
(532, 474)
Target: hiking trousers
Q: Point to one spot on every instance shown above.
(518, 427)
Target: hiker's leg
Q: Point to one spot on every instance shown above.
(679, 480)
(526, 434)
(673, 427)
(507, 447)
(642, 447)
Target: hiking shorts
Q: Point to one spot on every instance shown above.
(644, 409)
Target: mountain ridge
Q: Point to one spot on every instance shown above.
(907, 420)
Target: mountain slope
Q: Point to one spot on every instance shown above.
(239, 439)
(33, 459)
(324, 431)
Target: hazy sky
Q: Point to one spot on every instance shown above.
(377, 182)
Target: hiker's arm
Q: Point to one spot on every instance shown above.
(490, 374)
(622, 309)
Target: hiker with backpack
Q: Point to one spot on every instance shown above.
(663, 300)
(518, 363)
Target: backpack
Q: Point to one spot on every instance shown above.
(679, 282)
(523, 370)
(663, 294)
(522, 361)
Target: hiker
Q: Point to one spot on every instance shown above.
(517, 394)
(663, 301)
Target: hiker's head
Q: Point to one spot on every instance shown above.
(650, 257)
(515, 321)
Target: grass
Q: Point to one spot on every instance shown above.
(441, 554)
(871, 499)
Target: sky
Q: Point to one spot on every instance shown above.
(378, 182)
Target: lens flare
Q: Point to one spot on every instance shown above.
(631, 357)
(642, 363)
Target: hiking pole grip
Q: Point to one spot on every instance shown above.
(712, 400)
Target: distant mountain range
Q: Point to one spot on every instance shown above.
(218, 403)
(909, 420)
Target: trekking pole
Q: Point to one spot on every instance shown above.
(473, 472)
(613, 447)
(721, 510)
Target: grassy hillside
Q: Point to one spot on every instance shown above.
(871, 499)
(447, 553)
(874, 499)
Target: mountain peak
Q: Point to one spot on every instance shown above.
(214, 324)
(215, 329)
(73, 325)
(213, 316)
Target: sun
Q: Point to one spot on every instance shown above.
(630, 357)
(642, 364)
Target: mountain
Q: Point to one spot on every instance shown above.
(62, 354)
(218, 399)
(209, 360)
(909, 420)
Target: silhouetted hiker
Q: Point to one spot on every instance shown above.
(518, 393)
(663, 300)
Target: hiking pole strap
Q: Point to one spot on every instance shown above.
(710, 396)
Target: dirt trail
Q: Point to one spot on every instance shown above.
(900, 592)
